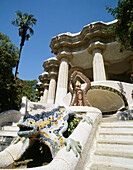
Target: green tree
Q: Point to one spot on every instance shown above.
(9, 90)
(24, 22)
(29, 90)
(123, 29)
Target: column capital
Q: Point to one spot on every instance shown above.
(51, 63)
(64, 53)
(40, 88)
(51, 66)
(97, 46)
(44, 77)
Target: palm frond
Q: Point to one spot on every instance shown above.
(31, 30)
(15, 22)
(33, 21)
(27, 37)
(18, 14)
(30, 17)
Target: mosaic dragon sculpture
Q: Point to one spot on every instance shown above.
(48, 127)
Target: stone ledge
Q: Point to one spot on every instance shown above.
(88, 32)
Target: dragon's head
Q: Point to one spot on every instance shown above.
(28, 126)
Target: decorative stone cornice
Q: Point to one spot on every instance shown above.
(51, 66)
(40, 88)
(44, 78)
(89, 34)
(64, 54)
(96, 45)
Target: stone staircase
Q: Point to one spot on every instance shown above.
(113, 146)
(7, 133)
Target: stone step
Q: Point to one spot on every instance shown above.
(10, 128)
(117, 124)
(112, 125)
(123, 145)
(8, 133)
(106, 136)
(108, 166)
(119, 135)
(4, 139)
(117, 129)
(111, 157)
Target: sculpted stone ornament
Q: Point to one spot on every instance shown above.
(48, 127)
(125, 115)
(78, 94)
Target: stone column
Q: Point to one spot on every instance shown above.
(45, 80)
(98, 66)
(62, 84)
(45, 94)
(51, 65)
(52, 87)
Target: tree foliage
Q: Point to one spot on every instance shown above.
(8, 58)
(124, 27)
(11, 89)
(29, 90)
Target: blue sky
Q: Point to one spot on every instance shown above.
(53, 17)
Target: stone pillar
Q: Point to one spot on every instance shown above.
(62, 79)
(45, 94)
(62, 84)
(45, 80)
(52, 87)
(98, 66)
(51, 65)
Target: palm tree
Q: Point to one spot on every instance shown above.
(24, 22)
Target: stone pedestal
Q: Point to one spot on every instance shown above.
(98, 66)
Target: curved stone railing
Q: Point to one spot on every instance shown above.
(9, 116)
(63, 160)
(124, 88)
(88, 32)
(13, 115)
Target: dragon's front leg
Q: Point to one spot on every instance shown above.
(72, 144)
